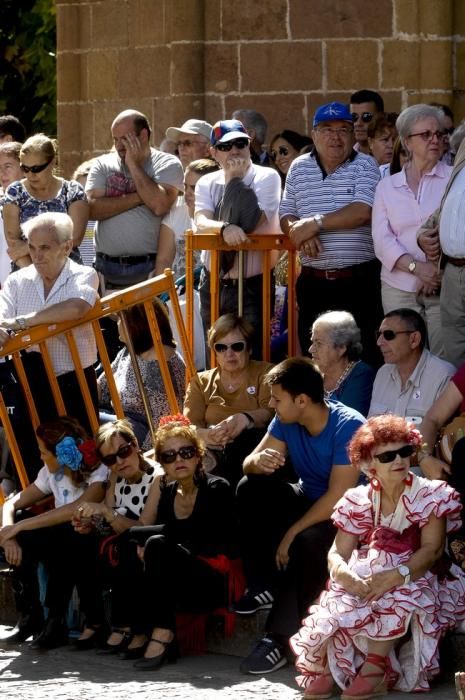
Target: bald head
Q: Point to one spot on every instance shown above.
(134, 119)
(127, 126)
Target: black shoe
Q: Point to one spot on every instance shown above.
(252, 601)
(267, 656)
(54, 634)
(91, 642)
(116, 648)
(27, 626)
(169, 655)
(134, 653)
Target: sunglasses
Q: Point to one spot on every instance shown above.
(390, 455)
(238, 143)
(123, 452)
(35, 168)
(282, 151)
(169, 456)
(428, 135)
(364, 116)
(390, 335)
(235, 347)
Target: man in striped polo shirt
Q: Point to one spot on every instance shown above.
(326, 210)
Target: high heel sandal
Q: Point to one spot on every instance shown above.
(460, 684)
(134, 653)
(361, 688)
(116, 648)
(169, 655)
(321, 687)
(90, 642)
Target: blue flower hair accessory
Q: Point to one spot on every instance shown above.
(68, 454)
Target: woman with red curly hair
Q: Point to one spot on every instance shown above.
(392, 592)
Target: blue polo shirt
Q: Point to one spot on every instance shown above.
(313, 456)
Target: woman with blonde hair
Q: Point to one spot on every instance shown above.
(41, 190)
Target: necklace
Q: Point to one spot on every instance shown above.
(341, 379)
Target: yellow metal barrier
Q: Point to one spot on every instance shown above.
(265, 243)
(115, 303)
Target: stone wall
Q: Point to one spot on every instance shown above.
(175, 59)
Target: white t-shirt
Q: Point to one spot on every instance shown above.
(64, 490)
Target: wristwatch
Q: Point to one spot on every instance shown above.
(405, 572)
(21, 321)
(319, 220)
(412, 266)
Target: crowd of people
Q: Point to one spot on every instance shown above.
(310, 487)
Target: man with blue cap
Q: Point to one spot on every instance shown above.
(326, 210)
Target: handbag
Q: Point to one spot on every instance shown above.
(450, 435)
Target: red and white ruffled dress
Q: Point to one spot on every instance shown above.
(340, 624)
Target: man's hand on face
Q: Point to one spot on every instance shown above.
(135, 152)
(235, 167)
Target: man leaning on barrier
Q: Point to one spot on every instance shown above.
(53, 289)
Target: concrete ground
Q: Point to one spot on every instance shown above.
(64, 674)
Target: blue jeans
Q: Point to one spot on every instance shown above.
(122, 275)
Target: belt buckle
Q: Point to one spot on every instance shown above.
(331, 275)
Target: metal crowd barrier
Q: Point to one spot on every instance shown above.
(265, 243)
(113, 304)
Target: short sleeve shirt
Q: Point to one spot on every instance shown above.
(63, 489)
(313, 456)
(133, 232)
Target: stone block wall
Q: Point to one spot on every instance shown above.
(175, 59)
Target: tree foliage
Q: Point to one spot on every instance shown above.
(28, 63)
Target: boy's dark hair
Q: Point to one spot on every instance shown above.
(298, 375)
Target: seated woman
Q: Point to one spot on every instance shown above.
(131, 478)
(392, 594)
(336, 348)
(125, 377)
(194, 524)
(229, 404)
(72, 474)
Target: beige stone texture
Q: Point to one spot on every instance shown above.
(73, 27)
(221, 72)
(252, 20)
(460, 64)
(184, 19)
(352, 64)
(187, 69)
(173, 111)
(212, 20)
(72, 78)
(109, 24)
(213, 109)
(76, 124)
(284, 66)
(428, 17)
(425, 65)
(143, 72)
(146, 22)
(333, 18)
(103, 74)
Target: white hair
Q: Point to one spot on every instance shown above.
(58, 223)
(407, 119)
(342, 330)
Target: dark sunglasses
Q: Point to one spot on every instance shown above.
(282, 151)
(390, 455)
(123, 452)
(169, 456)
(235, 347)
(390, 335)
(364, 116)
(238, 143)
(35, 168)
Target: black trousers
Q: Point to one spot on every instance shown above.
(253, 301)
(175, 580)
(359, 294)
(267, 507)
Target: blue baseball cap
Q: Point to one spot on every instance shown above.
(228, 130)
(334, 111)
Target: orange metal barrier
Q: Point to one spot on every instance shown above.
(266, 243)
(115, 303)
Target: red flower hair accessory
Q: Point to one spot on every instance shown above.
(88, 449)
(178, 418)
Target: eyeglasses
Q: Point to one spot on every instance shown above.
(35, 168)
(282, 151)
(390, 455)
(390, 335)
(169, 456)
(326, 131)
(364, 116)
(238, 143)
(188, 142)
(239, 346)
(123, 452)
(428, 135)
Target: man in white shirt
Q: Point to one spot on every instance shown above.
(234, 201)
(444, 232)
(412, 378)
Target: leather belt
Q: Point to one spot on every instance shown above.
(127, 259)
(335, 274)
(456, 262)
